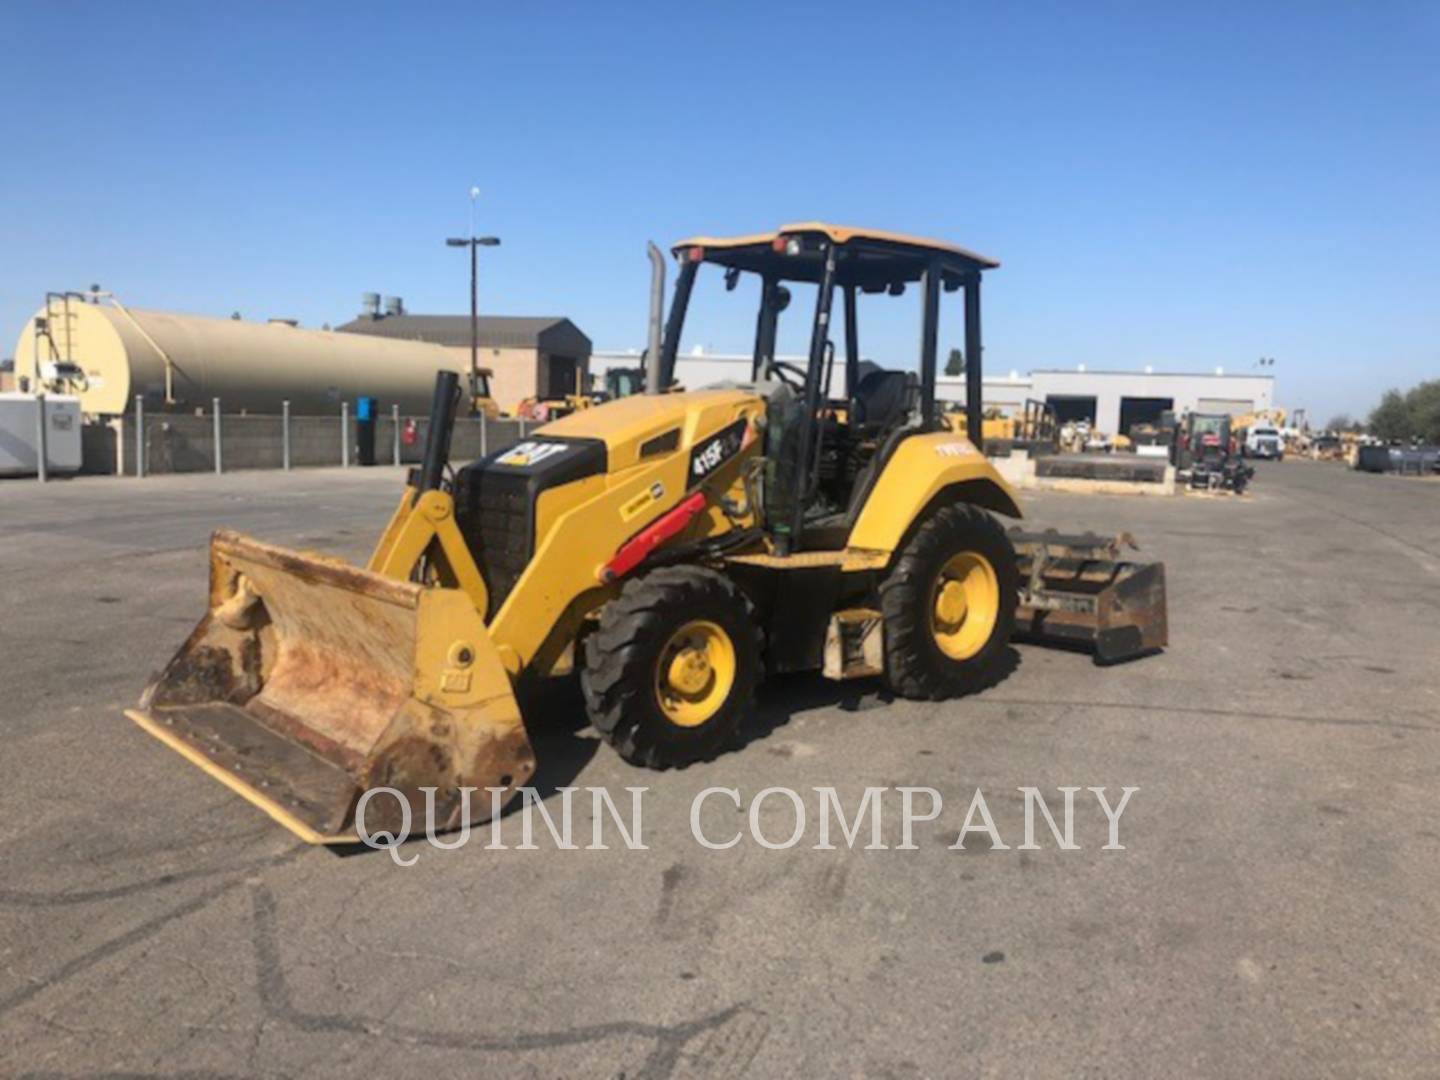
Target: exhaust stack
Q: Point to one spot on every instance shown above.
(657, 314)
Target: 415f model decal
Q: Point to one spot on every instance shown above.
(711, 453)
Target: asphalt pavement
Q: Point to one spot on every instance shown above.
(1275, 910)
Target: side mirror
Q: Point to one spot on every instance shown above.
(732, 278)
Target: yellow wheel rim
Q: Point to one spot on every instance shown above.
(964, 605)
(695, 673)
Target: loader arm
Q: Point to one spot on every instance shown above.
(420, 522)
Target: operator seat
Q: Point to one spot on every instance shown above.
(881, 399)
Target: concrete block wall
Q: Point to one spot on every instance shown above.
(314, 441)
(254, 442)
(179, 444)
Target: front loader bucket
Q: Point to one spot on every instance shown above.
(310, 681)
(1078, 590)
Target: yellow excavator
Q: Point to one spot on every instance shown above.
(673, 548)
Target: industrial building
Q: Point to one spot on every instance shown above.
(1111, 401)
(546, 356)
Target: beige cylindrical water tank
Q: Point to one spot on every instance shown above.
(251, 367)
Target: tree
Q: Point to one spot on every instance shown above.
(1413, 415)
(955, 364)
(1342, 422)
(1424, 405)
(1391, 420)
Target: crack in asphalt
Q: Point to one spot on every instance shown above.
(184, 1074)
(1202, 710)
(12, 1001)
(277, 1005)
(62, 898)
(1330, 508)
(670, 1039)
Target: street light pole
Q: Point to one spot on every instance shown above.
(474, 243)
(474, 319)
(474, 305)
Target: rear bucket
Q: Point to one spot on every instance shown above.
(310, 681)
(1076, 590)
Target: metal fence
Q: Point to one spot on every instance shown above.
(157, 443)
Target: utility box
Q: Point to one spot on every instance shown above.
(365, 429)
(20, 434)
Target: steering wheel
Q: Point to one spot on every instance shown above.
(792, 375)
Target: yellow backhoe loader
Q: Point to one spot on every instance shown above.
(673, 548)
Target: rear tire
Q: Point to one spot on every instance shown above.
(670, 672)
(949, 606)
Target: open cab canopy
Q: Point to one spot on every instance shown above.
(875, 261)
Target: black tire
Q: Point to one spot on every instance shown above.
(622, 657)
(915, 664)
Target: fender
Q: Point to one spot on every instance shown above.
(922, 467)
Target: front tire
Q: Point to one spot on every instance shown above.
(949, 606)
(670, 672)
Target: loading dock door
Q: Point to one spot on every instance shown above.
(1142, 410)
(1229, 406)
(558, 376)
(1071, 408)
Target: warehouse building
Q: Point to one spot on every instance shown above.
(1111, 401)
(1114, 401)
(545, 356)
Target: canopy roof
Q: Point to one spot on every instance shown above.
(872, 258)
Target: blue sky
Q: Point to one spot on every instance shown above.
(1179, 185)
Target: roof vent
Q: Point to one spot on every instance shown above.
(394, 306)
(370, 305)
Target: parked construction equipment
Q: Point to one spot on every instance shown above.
(671, 548)
(481, 401)
(1209, 456)
(623, 382)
